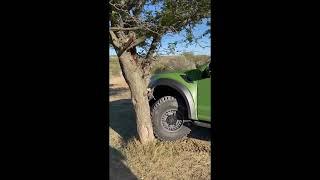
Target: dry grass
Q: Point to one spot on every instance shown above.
(114, 67)
(166, 63)
(185, 159)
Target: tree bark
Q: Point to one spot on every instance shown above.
(138, 87)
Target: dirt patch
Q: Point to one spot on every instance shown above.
(118, 81)
(118, 89)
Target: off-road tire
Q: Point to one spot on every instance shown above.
(160, 107)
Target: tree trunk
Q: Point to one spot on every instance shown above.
(138, 87)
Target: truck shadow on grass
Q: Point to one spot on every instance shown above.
(118, 170)
(200, 133)
(122, 120)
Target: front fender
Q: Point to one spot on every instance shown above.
(183, 90)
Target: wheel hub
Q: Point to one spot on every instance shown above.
(170, 120)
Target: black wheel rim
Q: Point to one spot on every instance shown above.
(172, 120)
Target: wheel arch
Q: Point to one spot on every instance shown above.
(183, 91)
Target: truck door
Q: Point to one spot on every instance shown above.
(204, 98)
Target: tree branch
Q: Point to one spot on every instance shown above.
(131, 44)
(138, 7)
(115, 40)
(135, 18)
(149, 60)
(137, 42)
(124, 29)
(153, 46)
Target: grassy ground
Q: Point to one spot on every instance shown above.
(114, 67)
(184, 159)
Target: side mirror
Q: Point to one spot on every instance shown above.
(206, 73)
(187, 78)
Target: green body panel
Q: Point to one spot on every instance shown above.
(204, 99)
(198, 85)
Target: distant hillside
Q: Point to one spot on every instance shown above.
(166, 63)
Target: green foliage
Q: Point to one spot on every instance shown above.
(172, 47)
(162, 17)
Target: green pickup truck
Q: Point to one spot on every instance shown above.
(178, 99)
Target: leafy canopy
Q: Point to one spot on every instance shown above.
(150, 20)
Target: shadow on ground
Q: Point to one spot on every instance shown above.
(200, 133)
(122, 121)
(118, 170)
(116, 91)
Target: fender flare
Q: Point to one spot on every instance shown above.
(184, 92)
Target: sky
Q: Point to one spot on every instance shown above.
(205, 42)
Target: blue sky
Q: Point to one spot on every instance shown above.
(205, 42)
